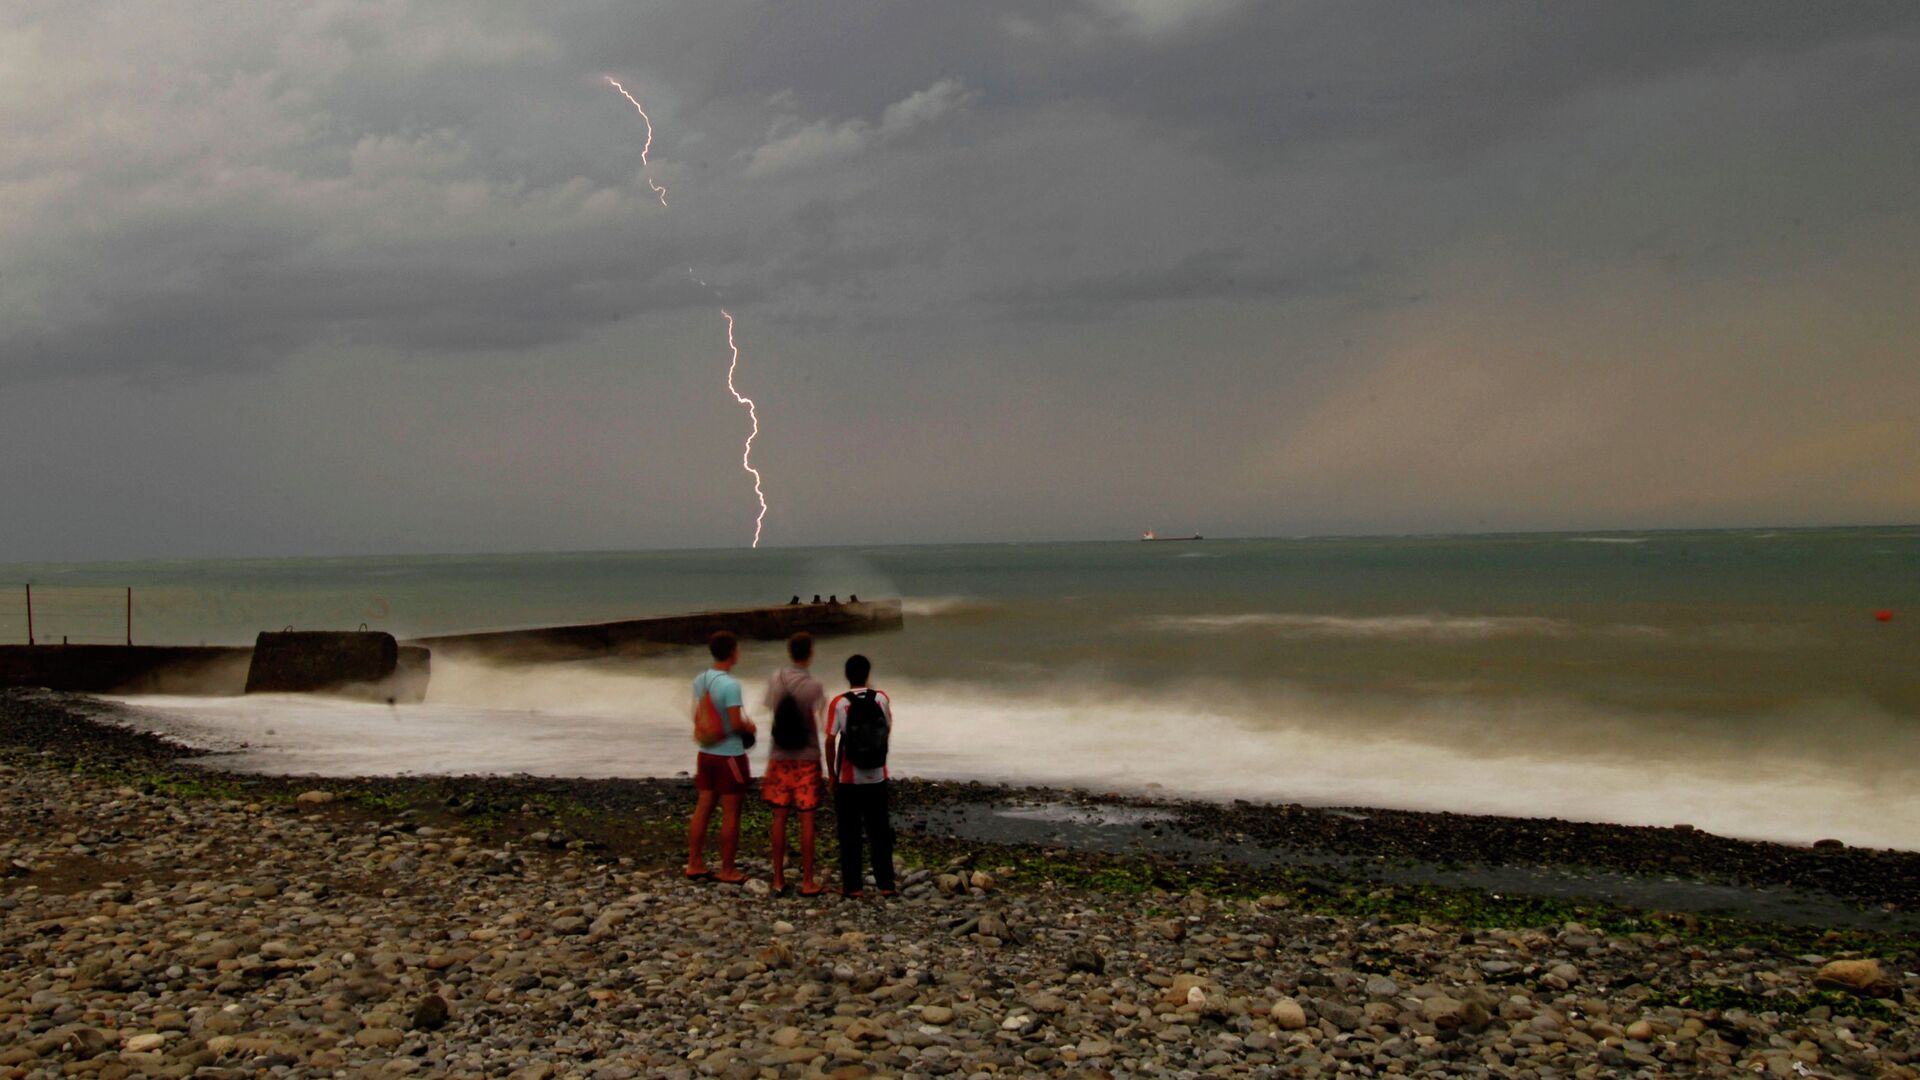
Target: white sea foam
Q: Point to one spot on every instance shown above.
(1409, 627)
(590, 720)
(1300, 624)
(928, 607)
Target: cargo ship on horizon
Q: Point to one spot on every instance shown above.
(1151, 535)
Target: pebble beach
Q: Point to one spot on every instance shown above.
(158, 922)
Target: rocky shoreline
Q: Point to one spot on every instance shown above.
(162, 919)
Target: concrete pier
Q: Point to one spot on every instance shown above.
(376, 667)
(127, 669)
(641, 636)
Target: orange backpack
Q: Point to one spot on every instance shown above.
(709, 727)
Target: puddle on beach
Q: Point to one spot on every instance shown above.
(1067, 814)
(1137, 829)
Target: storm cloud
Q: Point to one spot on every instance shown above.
(350, 277)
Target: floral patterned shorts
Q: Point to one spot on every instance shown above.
(794, 785)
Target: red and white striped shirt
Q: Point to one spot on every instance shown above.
(843, 770)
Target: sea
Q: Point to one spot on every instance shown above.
(1759, 683)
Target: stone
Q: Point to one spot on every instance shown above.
(937, 1014)
(1863, 977)
(1288, 1015)
(1380, 986)
(314, 798)
(1344, 1017)
(1640, 1031)
(431, 1014)
(378, 1037)
(1047, 1003)
(1086, 960)
(1449, 1013)
(86, 1042)
(145, 1043)
(1182, 989)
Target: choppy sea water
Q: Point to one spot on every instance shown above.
(1734, 680)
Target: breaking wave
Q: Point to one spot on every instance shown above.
(1821, 769)
(1443, 627)
(932, 607)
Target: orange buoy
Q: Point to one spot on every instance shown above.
(1883, 615)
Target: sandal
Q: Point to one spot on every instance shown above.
(741, 880)
(815, 891)
(704, 875)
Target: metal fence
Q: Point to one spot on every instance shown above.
(68, 615)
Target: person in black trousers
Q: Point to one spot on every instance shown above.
(859, 726)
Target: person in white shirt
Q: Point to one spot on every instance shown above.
(859, 728)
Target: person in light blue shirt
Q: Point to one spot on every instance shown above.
(724, 689)
(721, 771)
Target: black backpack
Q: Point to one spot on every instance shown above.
(790, 724)
(865, 741)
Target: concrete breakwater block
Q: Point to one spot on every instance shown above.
(364, 664)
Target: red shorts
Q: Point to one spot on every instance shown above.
(794, 785)
(723, 775)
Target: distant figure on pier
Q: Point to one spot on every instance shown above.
(853, 598)
(793, 780)
(834, 599)
(795, 600)
(816, 598)
(720, 769)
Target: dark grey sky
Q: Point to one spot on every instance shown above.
(347, 277)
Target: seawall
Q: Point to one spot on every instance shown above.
(631, 636)
(358, 665)
(127, 669)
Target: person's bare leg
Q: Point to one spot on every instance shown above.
(780, 848)
(806, 851)
(729, 834)
(697, 834)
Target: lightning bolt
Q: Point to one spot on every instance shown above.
(645, 169)
(746, 452)
(753, 413)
